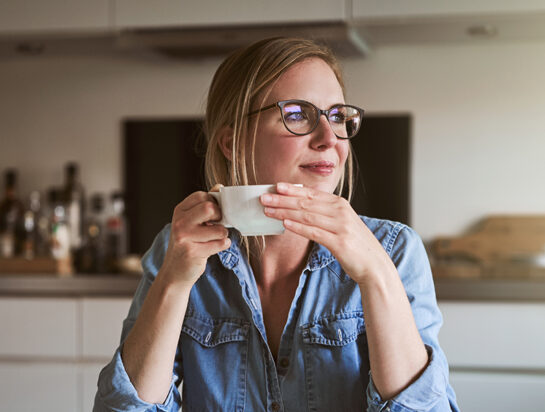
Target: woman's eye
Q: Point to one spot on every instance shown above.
(337, 118)
(295, 117)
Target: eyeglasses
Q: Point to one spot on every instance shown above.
(301, 117)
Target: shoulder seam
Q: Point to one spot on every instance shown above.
(398, 227)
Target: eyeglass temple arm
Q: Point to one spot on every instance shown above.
(262, 109)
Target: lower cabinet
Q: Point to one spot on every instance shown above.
(499, 391)
(496, 354)
(52, 350)
(39, 386)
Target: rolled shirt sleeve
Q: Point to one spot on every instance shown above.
(431, 391)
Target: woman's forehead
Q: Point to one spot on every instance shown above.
(312, 80)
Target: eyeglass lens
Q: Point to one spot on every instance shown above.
(301, 118)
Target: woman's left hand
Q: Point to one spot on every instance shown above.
(329, 219)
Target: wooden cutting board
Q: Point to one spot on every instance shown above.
(497, 238)
(41, 265)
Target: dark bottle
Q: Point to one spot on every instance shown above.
(74, 199)
(11, 217)
(93, 255)
(36, 229)
(42, 223)
(116, 232)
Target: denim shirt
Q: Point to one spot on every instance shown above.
(323, 363)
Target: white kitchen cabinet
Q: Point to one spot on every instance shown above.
(385, 9)
(40, 386)
(190, 13)
(89, 375)
(495, 352)
(383, 22)
(38, 327)
(102, 319)
(498, 392)
(31, 16)
(494, 335)
(52, 350)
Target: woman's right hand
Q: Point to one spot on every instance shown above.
(193, 239)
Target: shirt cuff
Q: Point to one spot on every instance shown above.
(421, 395)
(117, 393)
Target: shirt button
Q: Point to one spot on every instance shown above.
(284, 362)
(275, 406)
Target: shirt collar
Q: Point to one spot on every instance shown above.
(319, 256)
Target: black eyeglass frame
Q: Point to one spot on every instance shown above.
(280, 104)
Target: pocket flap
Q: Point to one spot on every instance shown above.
(338, 330)
(212, 332)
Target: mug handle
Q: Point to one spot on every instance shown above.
(217, 196)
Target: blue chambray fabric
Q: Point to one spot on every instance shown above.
(322, 363)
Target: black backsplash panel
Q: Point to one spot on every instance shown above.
(164, 163)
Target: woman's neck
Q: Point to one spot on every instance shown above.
(284, 257)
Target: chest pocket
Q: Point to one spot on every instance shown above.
(214, 363)
(334, 331)
(210, 332)
(336, 362)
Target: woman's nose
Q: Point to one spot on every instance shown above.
(324, 137)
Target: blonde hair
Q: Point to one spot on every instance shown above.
(236, 86)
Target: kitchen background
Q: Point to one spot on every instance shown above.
(478, 141)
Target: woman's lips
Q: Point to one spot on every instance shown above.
(323, 168)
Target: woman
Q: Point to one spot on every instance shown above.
(336, 314)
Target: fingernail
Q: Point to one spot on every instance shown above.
(266, 198)
(281, 186)
(268, 210)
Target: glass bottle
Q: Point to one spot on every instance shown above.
(60, 231)
(11, 215)
(93, 256)
(116, 230)
(74, 198)
(36, 228)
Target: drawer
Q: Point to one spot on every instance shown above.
(38, 327)
(494, 335)
(44, 387)
(102, 320)
(498, 392)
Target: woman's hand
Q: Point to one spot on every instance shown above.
(329, 220)
(193, 239)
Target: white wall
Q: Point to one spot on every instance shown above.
(478, 137)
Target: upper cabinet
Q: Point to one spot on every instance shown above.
(416, 21)
(390, 9)
(32, 16)
(191, 13)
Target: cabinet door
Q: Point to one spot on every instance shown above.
(44, 387)
(384, 9)
(38, 327)
(494, 335)
(54, 15)
(498, 392)
(102, 320)
(89, 375)
(144, 13)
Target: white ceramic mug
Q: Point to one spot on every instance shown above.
(241, 209)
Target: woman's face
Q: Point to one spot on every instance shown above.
(315, 160)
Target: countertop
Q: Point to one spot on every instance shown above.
(125, 285)
(68, 286)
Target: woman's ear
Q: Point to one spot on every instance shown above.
(225, 141)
